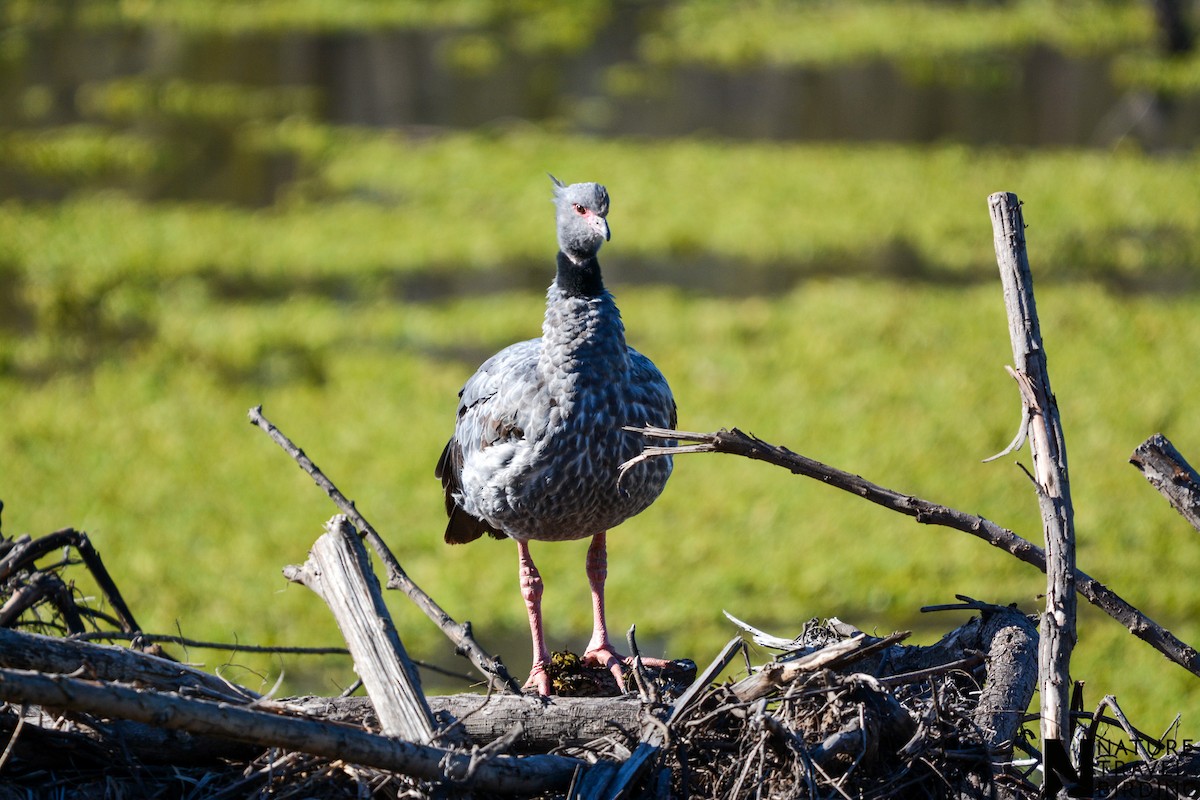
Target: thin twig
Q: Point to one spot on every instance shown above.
(159, 638)
(459, 633)
(921, 674)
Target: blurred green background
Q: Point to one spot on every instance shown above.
(338, 209)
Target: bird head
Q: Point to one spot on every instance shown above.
(581, 210)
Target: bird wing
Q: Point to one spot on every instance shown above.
(494, 405)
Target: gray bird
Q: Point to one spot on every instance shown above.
(539, 438)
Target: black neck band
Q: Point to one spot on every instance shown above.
(579, 280)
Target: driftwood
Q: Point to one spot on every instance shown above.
(339, 570)
(491, 667)
(1170, 473)
(1047, 446)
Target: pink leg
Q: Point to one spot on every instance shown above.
(531, 591)
(600, 649)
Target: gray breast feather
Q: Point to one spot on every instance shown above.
(535, 454)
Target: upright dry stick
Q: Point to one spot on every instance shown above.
(1048, 448)
(460, 634)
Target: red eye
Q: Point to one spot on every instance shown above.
(580, 210)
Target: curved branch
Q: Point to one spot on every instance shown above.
(735, 442)
(460, 634)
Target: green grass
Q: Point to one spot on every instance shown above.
(781, 33)
(940, 42)
(368, 208)
(868, 331)
(196, 512)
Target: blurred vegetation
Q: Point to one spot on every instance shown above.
(779, 32)
(933, 40)
(174, 250)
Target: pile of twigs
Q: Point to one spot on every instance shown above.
(834, 713)
(835, 734)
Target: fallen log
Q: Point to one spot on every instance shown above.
(544, 724)
(499, 774)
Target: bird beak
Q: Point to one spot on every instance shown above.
(600, 224)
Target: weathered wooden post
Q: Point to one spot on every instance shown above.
(1048, 448)
(339, 570)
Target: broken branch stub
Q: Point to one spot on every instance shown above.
(1169, 472)
(339, 571)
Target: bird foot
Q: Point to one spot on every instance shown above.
(607, 656)
(538, 681)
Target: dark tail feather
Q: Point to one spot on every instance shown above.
(462, 527)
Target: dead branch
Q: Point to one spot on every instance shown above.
(544, 725)
(491, 667)
(339, 571)
(1047, 446)
(1170, 473)
(31, 651)
(500, 774)
(42, 586)
(736, 442)
(23, 552)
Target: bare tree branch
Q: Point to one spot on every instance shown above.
(500, 774)
(1047, 445)
(736, 442)
(492, 667)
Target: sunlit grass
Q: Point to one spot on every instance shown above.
(195, 511)
(825, 33)
(864, 327)
(369, 206)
